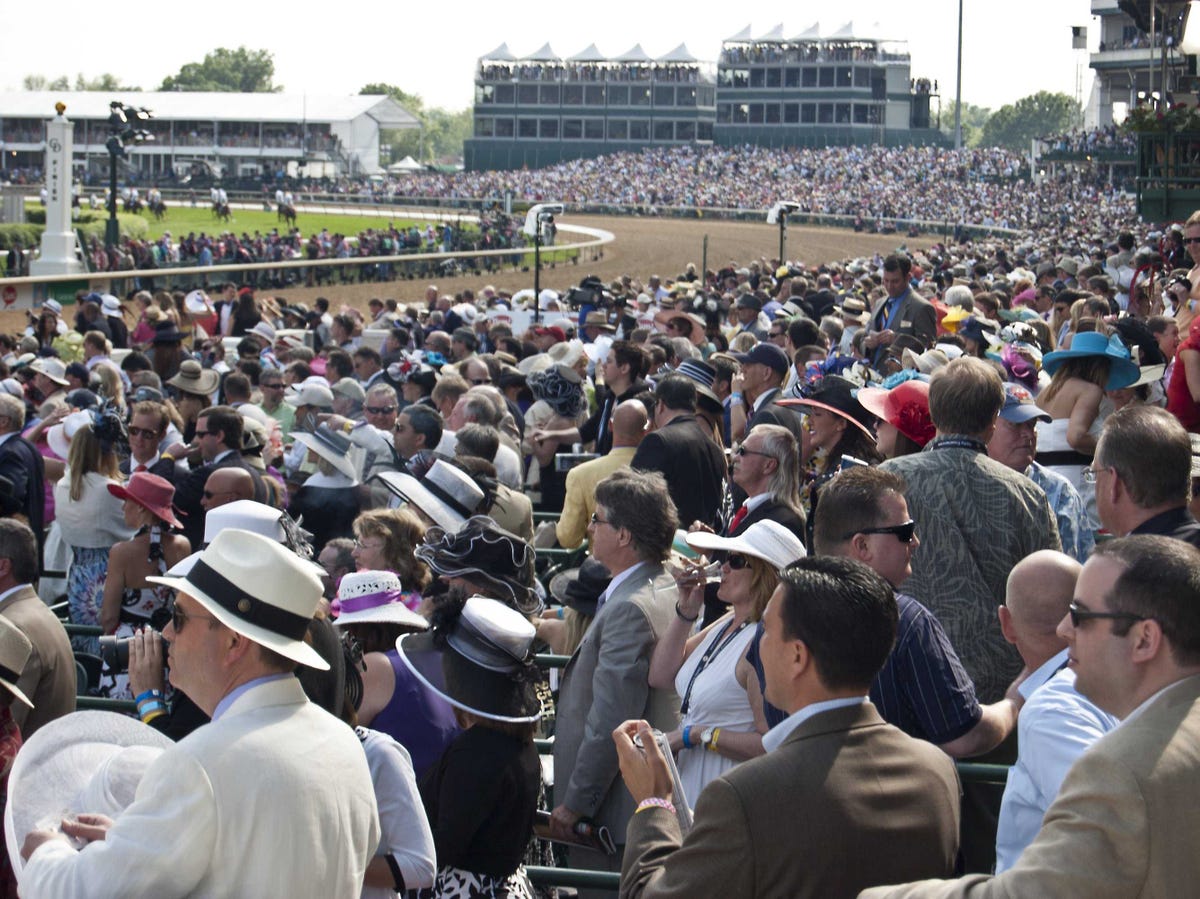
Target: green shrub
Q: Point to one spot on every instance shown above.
(26, 234)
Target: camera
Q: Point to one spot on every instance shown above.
(115, 652)
(590, 291)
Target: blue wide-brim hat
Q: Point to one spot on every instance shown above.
(1122, 370)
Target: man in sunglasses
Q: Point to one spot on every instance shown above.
(1124, 821)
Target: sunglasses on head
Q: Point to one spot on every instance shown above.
(902, 532)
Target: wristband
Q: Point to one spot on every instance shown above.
(735, 399)
(561, 612)
(168, 457)
(655, 802)
(146, 719)
(687, 737)
(149, 694)
(680, 614)
(147, 707)
(712, 744)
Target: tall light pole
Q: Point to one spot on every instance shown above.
(535, 220)
(123, 122)
(958, 85)
(779, 214)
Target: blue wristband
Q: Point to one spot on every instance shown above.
(687, 737)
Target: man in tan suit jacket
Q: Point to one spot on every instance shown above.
(48, 678)
(1125, 822)
(840, 801)
(607, 679)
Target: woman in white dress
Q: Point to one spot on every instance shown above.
(720, 725)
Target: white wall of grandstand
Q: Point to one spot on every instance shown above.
(208, 135)
(816, 88)
(1132, 66)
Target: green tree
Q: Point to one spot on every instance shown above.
(441, 134)
(42, 83)
(1016, 124)
(106, 82)
(973, 119)
(233, 71)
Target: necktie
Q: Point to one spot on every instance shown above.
(140, 468)
(737, 519)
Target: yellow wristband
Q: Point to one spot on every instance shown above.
(712, 746)
(168, 457)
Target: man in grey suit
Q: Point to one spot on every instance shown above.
(903, 312)
(839, 802)
(48, 678)
(606, 681)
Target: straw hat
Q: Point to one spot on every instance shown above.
(373, 596)
(192, 377)
(274, 611)
(480, 662)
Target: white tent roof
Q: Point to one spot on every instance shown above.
(500, 54)
(743, 35)
(679, 54)
(211, 107)
(545, 54)
(846, 32)
(407, 164)
(809, 33)
(775, 34)
(588, 54)
(635, 54)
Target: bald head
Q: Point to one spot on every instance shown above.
(1039, 589)
(629, 423)
(225, 485)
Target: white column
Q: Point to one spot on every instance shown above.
(58, 240)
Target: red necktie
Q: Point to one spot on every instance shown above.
(737, 519)
(140, 468)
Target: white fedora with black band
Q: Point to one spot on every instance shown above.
(258, 589)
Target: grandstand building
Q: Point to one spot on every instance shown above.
(1130, 64)
(214, 134)
(771, 90)
(536, 110)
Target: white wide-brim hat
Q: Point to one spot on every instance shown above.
(366, 597)
(258, 589)
(82, 762)
(446, 494)
(59, 436)
(320, 444)
(766, 540)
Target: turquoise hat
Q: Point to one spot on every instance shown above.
(1122, 370)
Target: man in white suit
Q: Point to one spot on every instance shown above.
(273, 798)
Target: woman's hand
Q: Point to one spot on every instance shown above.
(691, 582)
(146, 661)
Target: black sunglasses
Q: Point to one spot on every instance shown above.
(1080, 614)
(142, 432)
(1190, 240)
(736, 561)
(179, 618)
(381, 410)
(903, 532)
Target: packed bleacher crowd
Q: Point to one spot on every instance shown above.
(1106, 139)
(829, 527)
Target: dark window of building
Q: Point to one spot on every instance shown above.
(618, 129)
(548, 128)
(706, 96)
(572, 94)
(741, 113)
(825, 76)
(664, 130)
(483, 127)
(724, 112)
(808, 77)
(704, 132)
(791, 113)
(757, 77)
(685, 131)
(844, 78)
(593, 129)
(618, 95)
(685, 96)
(548, 95)
(639, 96)
(639, 129)
(504, 127)
(526, 127)
(825, 113)
(791, 77)
(741, 78)
(862, 114)
(572, 129)
(862, 77)
(664, 96)
(774, 77)
(527, 94)
(808, 113)
(504, 94)
(771, 113)
(484, 93)
(593, 94)
(756, 113)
